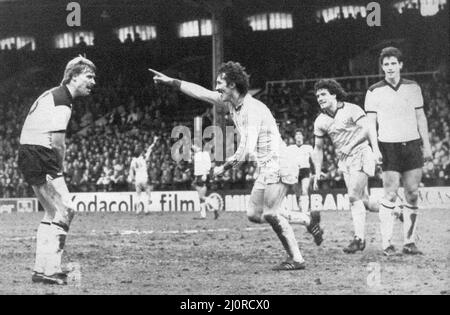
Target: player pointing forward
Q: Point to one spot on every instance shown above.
(259, 133)
(41, 155)
(139, 175)
(396, 106)
(346, 125)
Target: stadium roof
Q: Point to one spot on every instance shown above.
(31, 16)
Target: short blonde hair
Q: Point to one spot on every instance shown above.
(76, 66)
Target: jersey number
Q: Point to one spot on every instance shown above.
(33, 108)
(35, 104)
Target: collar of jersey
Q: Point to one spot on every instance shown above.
(395, 88)
(238, 109)
(68, 93)
(340, 105)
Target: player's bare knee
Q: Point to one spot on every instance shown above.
(274, 221)
(354, 197)
(67, 213)
(254, 216)
(412, 196)
(70, 213)
(390, 196)
(271, 218)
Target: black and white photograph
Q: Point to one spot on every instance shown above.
(224, 152)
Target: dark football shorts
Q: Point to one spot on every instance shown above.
(401, 156)
(304, 173)
(38, 164)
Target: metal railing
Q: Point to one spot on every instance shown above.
(350, 83)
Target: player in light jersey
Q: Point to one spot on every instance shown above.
(395, 105)
(41, 155)
(202, 168)
(301, 153)
(346, 124)
(139, 177)
(259, 133)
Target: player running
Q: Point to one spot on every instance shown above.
(346, 124)
(395, 105)
(41, 155)
(259, 133)
(301, 153)
(139, 176)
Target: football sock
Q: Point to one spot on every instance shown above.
(146, 202)
(42, 239)
(285, 233)
(409, 223)
(359, 218)
(58, 235)
(296, 217)
(137, 206)
(202, 209)
(386, 222)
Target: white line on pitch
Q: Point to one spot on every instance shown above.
(134, 232)
(18, 239)
(249, 229)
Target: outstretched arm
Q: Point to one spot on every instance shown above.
(188, 88)
(150, 148)
(132, 174)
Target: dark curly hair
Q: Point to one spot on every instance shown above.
(235, 73)
(391, 52)
(333, 87)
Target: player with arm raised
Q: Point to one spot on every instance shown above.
(139, 176)
(41, 155)
(346, 125)
(259, 133)
(395, 105)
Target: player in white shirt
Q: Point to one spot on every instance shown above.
(202, 168)
(301, 153)
(139, 177)
(396, 115)
(41, 155)
(259, 133)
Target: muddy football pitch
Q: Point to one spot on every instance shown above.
(177, 254)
